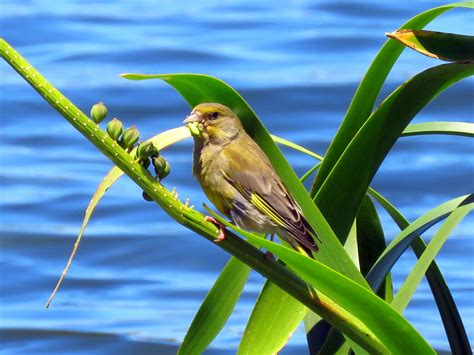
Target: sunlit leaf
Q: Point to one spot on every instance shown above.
(274, 318)
(451, 128)
(446, 46)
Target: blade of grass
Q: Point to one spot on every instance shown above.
(340, 195)
(445, 46)
(452, 128)
(216, 307)
(369, 88)
(295, 146)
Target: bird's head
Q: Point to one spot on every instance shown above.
(219, 123)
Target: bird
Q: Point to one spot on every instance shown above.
(239, 180)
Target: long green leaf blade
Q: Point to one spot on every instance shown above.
(449, 313)
(368, 90)
(445, 46)
(403, 240)
(406, 292)
(340, 195)
(465, 129)
(216, 308)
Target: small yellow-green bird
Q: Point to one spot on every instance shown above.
(240, 181)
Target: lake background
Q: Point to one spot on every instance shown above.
(139, 278)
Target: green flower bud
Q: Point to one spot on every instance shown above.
(166, 171)
(114, 128)
(146, 150)
(145, 163)
(161, 166)
(98, 112)
(129, 137)
(195, 128)
(146, 196)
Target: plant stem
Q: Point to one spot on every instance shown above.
(275, 272)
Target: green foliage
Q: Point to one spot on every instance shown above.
(337, 207)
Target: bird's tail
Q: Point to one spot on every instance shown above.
(303, 248)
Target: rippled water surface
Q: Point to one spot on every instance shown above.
(139, 278)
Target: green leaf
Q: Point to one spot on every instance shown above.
(295, 146)
(369, 89)
(160, 141)
(372, 312)
(197, 88)
(341, 193)
(450, 316)
(274, 318)
(445, 46)
(216, 308)
(365, 243)
(307, 174)
(403, 240)
(406, 292)
(453, 128)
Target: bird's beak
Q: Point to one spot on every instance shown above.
(193, 117)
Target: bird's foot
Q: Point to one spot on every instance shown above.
(221, 235)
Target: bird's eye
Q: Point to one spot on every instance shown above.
(214, 114)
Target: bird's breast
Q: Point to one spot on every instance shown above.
(208, 167)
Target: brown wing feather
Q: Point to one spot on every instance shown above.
(250, 171)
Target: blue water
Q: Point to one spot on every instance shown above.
(139, 278)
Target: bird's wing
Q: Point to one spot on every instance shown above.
(251, 173)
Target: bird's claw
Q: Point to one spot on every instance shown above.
(221, 235)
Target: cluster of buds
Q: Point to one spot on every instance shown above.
(126, 138)
(146, 152)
